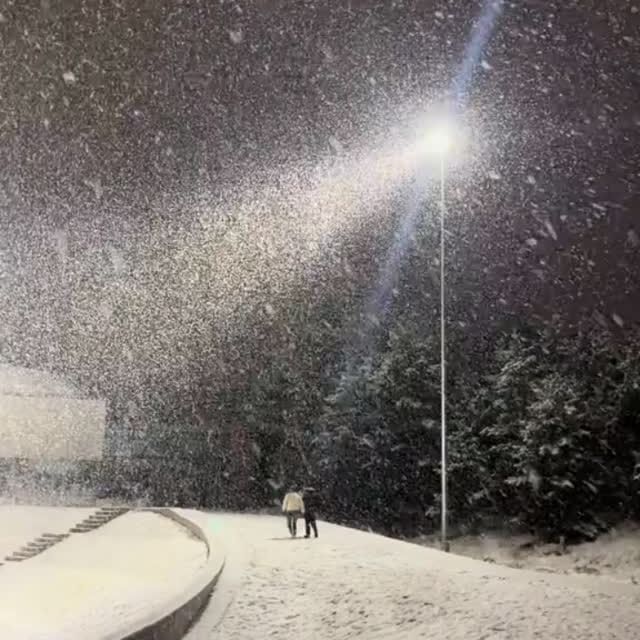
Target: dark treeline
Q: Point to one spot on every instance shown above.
(543, 413)
(543, 426)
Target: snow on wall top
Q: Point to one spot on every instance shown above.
(43, 417)
(19, 381)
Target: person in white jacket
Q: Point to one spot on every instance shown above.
(293, 508)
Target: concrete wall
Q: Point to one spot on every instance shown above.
(51, 428)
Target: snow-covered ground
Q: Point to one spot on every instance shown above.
(615, 555)
(349, 584)
(96, 583)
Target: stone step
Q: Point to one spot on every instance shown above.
(18, 557)
(102, 519)
(35, 548)
(98, 520)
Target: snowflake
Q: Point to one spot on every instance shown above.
(551, 230)
(236, 36)
(69, 77)
(96, 187)
(336, 145)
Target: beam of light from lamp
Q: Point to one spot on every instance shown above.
(437, 141)
(480, 36)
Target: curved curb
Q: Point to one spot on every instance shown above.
(191, 526)
(173, 625)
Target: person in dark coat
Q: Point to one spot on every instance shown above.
(311, 505)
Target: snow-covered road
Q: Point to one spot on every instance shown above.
(349, 584)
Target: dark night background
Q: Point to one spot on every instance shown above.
(158, 235)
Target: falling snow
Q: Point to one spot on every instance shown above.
(212, 216)
(617, 319)
(117, 260)
(236, 36)
(69, 77)
(96, 187)
(61, 243)
(550, 229)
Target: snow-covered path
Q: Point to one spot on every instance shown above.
(349, 584)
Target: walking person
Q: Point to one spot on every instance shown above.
(293, 508)
(311, 504)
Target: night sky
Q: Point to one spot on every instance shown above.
(166, 195)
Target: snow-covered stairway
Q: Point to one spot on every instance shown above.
(40, 544)
(47, 540)
(98, 519)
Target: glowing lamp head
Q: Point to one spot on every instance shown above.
(438, 141)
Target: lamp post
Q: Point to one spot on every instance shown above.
(438, 142)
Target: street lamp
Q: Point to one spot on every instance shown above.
(438, 142)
